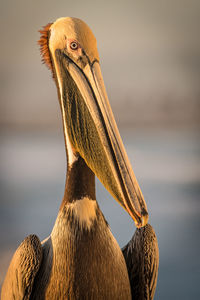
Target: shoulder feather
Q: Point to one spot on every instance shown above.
(24, 266)
(142, 259)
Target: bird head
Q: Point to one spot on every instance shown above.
(69, 49)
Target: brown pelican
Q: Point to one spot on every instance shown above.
(81, 259)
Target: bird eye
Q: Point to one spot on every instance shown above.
(74, 45)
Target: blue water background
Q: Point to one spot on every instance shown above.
(167, 166)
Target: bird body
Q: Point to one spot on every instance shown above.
(78, 265)
(81, 259)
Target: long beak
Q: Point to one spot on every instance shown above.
(94, 134)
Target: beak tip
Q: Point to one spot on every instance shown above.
(143, 220)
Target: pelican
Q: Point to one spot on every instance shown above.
(81, 259)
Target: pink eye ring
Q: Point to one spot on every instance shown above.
(74, 45)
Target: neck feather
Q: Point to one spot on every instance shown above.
(79, 204)
(80, 182)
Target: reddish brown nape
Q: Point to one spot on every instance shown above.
(44, 47)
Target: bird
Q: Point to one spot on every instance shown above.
(81, 259)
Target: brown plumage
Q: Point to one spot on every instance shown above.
(23, 268)
(44, 48)
(142, 259)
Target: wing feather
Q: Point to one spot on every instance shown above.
(142, 259)
(23, 267)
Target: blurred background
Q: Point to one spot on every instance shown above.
(150, 60)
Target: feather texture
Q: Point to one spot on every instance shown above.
(44, 46)
(142, 259)
(23, 268)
